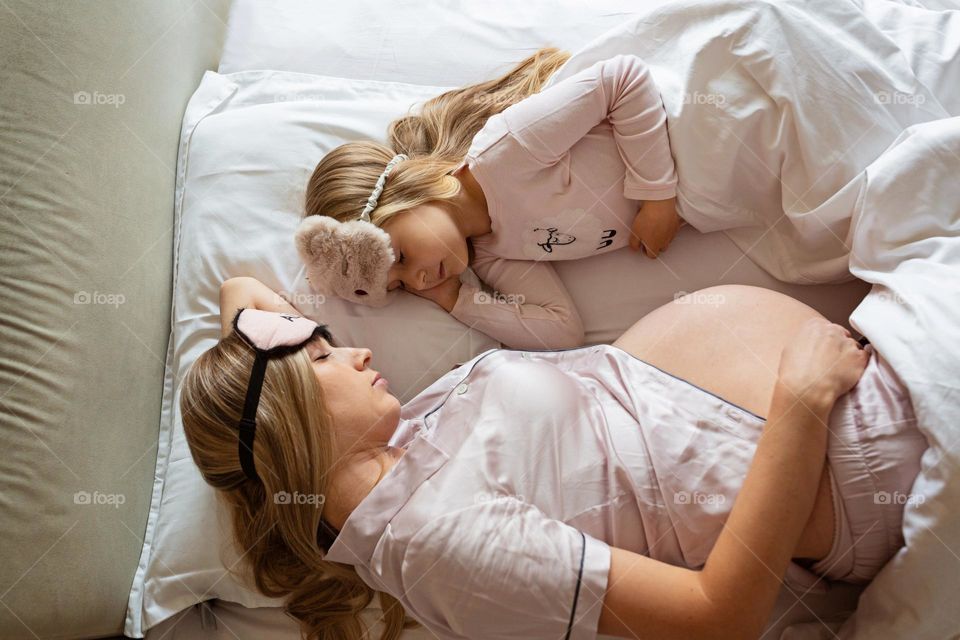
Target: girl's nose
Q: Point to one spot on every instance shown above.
(419, 280)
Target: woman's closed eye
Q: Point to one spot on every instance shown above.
(323, 356)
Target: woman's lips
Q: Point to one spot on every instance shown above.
(383, 382)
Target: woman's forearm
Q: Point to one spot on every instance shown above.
(743, 573)
(250, 293)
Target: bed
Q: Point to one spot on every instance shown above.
(237, 210)
(294, 80)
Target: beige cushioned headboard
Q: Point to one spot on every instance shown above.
(90, 110)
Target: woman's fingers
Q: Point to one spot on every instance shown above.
(823, 359)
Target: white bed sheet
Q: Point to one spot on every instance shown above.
(793, 619)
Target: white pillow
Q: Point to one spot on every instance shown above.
(249, 143)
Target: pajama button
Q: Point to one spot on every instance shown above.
(462, 389)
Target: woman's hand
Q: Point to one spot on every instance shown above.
(654, 226)
(444, 294)
(822, 363)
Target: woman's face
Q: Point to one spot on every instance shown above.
(428, 247)
(365, 413)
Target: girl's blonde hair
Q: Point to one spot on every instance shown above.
(436, 139)
(295, 440)
(275, 520)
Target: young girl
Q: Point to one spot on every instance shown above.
(628, 489)
(504, 179)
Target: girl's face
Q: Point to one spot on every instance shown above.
(428, 247)
(365, 413)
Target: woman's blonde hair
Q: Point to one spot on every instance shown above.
(275, 520)
(436, 139)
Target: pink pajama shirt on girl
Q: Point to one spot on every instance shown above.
(522, 469)
(564, 173)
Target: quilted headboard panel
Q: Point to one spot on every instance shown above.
(90, 112)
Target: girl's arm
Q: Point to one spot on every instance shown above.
(529, 307)
(734, 593)
(249, 293)
(619, 90)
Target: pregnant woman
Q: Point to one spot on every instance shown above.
(630, 489)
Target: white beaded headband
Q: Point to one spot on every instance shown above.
(372, 200)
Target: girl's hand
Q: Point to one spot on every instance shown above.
(654, 226)
(444, 294)
(822, 363)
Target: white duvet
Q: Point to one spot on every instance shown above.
(821, 137)
(775, 106)
(906, 240)
(745, 128)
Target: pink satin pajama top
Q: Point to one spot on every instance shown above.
(522, 468)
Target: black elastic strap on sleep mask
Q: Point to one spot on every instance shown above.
(271, 335)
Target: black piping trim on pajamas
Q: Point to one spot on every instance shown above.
(576, 594)
(695, 386)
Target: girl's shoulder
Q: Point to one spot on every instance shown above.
(492, 131)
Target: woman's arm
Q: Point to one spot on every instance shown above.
(732, 596)
(734, 593)
(250, 293)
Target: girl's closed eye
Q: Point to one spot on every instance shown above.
(400, 261)
(323, 356)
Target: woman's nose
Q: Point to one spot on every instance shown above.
(363, 357)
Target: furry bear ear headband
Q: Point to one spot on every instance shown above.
(350, 260)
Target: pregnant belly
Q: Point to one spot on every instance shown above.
(727, 340)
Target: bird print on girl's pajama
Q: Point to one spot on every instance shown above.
(574, 233)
